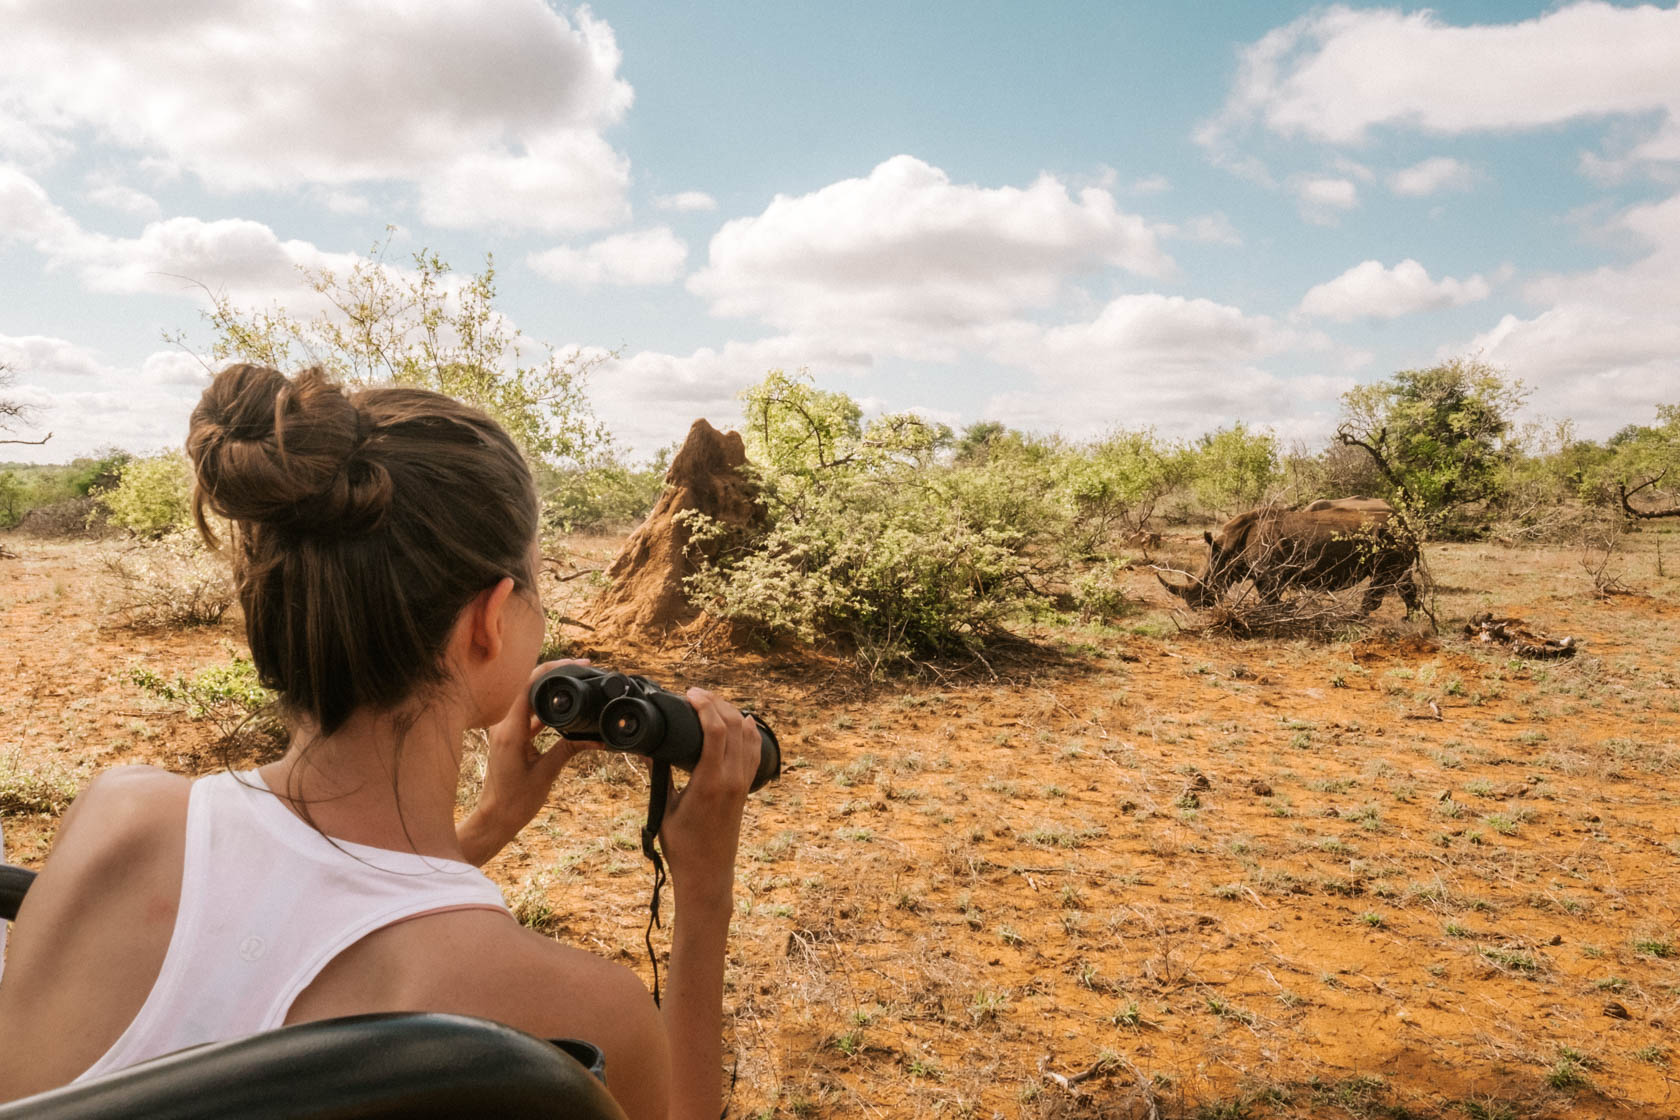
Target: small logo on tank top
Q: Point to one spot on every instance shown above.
(252, 948)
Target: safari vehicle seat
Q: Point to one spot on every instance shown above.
(361, 1067)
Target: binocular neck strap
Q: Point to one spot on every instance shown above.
(659, 788)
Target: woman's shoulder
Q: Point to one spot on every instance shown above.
(539, 984)
(126, 823)
(125, 804)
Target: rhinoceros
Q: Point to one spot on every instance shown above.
(1369, 505)
(1302, 550)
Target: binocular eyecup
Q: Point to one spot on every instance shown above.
(635, 715)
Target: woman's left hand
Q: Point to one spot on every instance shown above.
(517, 776)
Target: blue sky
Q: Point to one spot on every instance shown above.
(1068, 217)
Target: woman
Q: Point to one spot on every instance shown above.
(384, 549)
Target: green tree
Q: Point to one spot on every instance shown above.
(1234, 468)
(1438, 436)
(426, 327)
(11, 499)
(1114, 484)
(1640, 459)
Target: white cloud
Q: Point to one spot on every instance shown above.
(1438, 173)
(1370, 291)
(1324, 199)
(649, 398)
(906, 259)
(113, 195)
(88, 404)
(174, 367)
(686, 202)
(1152, 184)
(1185, 365)
(37, 356)
(493, 109)
(645, 257)
(1335, 74)
(1604, 348)
(342, 201)
(241, 258)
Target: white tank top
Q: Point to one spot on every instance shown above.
(266, 903)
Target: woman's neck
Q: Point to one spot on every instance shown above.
(382, 780)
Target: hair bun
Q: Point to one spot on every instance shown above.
(288, 453)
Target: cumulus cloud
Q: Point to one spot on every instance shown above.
(686, 202)
(1431, 176)
(650, 256)
(243, 259)
(493, 109)
(649, 398)
(1334, 75)
(1182, 364)
(40, 356)
(906, 258)
(1604, 346)
(88, 403)
(1370, 291)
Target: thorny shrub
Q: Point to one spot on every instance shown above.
(170, 583)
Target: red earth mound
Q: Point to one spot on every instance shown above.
(645, 598)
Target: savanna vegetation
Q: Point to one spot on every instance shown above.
(1048, 844)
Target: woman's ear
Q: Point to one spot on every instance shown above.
(485, 620)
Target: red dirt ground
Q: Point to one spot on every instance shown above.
(1183, 873)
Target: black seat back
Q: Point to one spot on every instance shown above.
(357, 1068)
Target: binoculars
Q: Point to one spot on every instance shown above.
(634, 715)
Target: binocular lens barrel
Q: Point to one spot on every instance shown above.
(632, 724)
(562, 701)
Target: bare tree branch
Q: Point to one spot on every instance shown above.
(1628, 507)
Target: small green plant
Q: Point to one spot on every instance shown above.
(532, 909)
(1654, 947)
(1511, 959)
(1566, 1074)
(228, 696)
(41, 788)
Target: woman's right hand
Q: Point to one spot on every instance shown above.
(702, 826)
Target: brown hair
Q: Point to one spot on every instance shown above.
(363, 524)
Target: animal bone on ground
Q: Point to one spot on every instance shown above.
(1514, 632)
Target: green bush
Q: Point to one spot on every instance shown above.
(1115, 484)
(228, 696)
(152, 496)
(605, 497)
(875, 537)
(1234, 469)
(26, 487)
